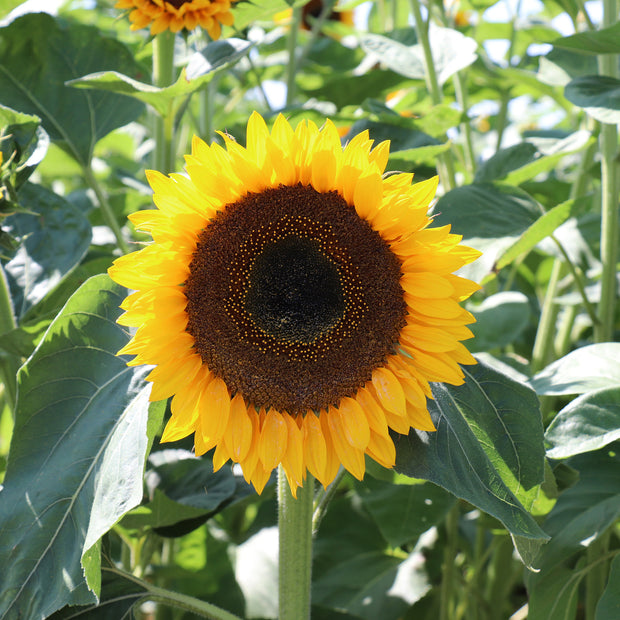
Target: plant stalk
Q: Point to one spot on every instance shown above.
(446, 604)
(163, 75)
(8, 364)
(295, 556)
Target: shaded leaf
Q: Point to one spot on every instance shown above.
(587, 423)
(491, 217)
(54, 237)
(608, 606)
(488, 447)
(57, 52)
(500, 319)
(598, 95)
(403, 512)
(560, 66)
(77, 455)
(589, 368)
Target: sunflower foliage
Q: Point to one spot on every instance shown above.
(447, 487)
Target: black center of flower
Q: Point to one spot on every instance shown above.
(177, 4)
(294, 290)
(293, 299)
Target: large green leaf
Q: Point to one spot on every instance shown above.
(598, 95)
(451, 51)
(604, 41)
(587, 423)
(57, 52)
(77, 456)
(560, 66)
(54, 237)
(403, 512)
(488, 447)
(491, 217)
(201, 69)
(589, 368)
(581, 514)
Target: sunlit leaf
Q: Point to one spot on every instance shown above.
(589, 368)
(587, 423)
(77, 455)
(488, 447)
(603, 41)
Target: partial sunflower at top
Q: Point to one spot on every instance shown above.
(175, 15)
(295, 302)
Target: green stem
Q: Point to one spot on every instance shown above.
(175, 599)
(295, 564)
(106, 209)
(9, 365)
(563, 338)
(445, 161)
(448, 578)
(543, 344)
(292, 56)
(315, 30)
(163, 75)
(323, 497)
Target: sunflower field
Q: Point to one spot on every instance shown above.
(309, 309)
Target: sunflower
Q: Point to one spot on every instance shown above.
(174, 15)
(295, 302)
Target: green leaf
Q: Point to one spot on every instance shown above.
(451, 51)
(200, 70)
(598, 95)
(491, 217)
(6, 6)
(403, 512)
(522, 162)
(373, 585)
(587, 423)
(608, 607)
(556, 596)
(559, 66)
(589, 368)
(500, 320)
(247, 13)
(604, 41)
(54, 238)
(488, 447)
(77, 455)
(56, 52)
(583, 512)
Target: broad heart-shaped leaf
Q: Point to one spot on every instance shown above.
(491, 217)
(581, 514)
(604, 41)
(488, 447)
(608, 606)
(587, 423)
(54, 237)
(451, 51)
(598, 95)
(200, 70)
(77, 456)
(589, 368)
(38, 54)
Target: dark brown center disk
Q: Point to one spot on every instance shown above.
(293, 299)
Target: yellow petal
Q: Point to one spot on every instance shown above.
(238, 437)
(273, 439)
(315, 448)
(351, 457)
(293, 459)
(213, 415)
(354, 423)
(389, 390)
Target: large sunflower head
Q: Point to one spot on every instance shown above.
(295, 302)
(175, 15)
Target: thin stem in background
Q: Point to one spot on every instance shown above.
(295, 554)
(445, 161)
(315, 30)
(323, 497)
(8, 364)
(106, 209)
(446, 603)
(292, 55)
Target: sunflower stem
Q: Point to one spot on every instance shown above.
(446, 162)
(608, 65)
(292, 55)
(323, 497)
(163, 75)
(9, 365)
(295, 563)
(449, 556)
(106, 209)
